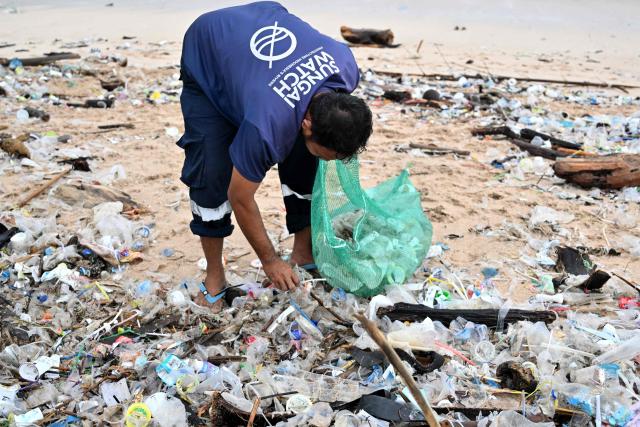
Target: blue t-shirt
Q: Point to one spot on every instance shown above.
(261, 65)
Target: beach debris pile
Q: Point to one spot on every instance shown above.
(83, 342)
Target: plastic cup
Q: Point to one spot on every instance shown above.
(137, 415)
(484, 352)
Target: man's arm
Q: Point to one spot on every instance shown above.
(241, 196)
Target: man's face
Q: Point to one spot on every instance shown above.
(319, 151)
(314, 148)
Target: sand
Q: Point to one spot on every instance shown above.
(463, 196)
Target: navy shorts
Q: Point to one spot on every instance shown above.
(207, 167)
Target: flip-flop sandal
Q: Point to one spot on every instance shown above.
(212, 299)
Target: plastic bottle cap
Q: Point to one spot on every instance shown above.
(298, 403)
(22, 115)
(138, 415)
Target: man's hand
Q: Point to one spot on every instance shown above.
(281, 274)
(241, 196)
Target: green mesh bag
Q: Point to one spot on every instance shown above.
(364, 240)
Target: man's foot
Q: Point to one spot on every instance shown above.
(213, 287)
(301, 254)
(301, 260)
(216, 307)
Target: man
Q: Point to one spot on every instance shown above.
(262, 87)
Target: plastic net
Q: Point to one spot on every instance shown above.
(364, 240)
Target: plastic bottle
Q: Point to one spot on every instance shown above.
(144, 288)
(142, 236)
(171, 368)
(167, 411)
(211, 377)
(21, 242)
(624, 219)
(321, 414)
(591, 375)
(625, 351)
(320, 387)
(259, 390)
(346, 418)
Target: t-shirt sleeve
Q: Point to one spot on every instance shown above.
(250, 153)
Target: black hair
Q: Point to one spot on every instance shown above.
(341, 122)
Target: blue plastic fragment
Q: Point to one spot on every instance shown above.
(338, 295)
(489, 272)
(374, 375)
(15, 63)
(497, 164)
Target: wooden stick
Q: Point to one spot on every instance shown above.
(42, 60)
(535, 150)
(117, 125)
(517, 140)
(574, 153)
(35, 193)
(529, 134)
(375, 333)
(333, 313)
(254, 411)
(627, 282)
(434, 149)
(451, 77)
(497, 130)
(223, 359)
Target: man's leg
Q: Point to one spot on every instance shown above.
(297, 174)
(301, 253)
(215, 280)
(207, 172)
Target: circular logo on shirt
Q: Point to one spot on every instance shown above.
(272, 43)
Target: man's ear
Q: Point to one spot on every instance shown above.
(306, 122)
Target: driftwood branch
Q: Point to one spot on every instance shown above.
(42, 60)
(456, 77)
(529, 134)
(521, 143)
(394, 359)
(35, 193)
(614, 171)
(536, 150)
(117, 126)
(488, 316)
(368, 37)
(434, 149)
